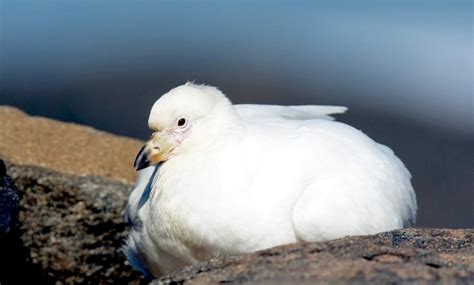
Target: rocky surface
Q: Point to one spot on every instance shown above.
(73, 183)
(8, 202)
(409, 256)
(64, 147)
(71, 228)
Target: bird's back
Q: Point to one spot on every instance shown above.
(369, 185)
(255, 113)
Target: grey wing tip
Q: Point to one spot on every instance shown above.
(135, 261)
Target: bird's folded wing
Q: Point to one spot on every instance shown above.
(305, 112)
(140, 195)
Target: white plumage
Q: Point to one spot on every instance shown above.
(240, 178)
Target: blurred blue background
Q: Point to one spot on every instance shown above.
(404, 69)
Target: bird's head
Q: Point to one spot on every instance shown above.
(187, 117)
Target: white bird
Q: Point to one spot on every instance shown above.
(230, 179)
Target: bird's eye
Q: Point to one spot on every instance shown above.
(181, 122)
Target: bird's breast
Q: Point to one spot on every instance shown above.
(212, 209)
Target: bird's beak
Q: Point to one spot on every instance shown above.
(157, 149)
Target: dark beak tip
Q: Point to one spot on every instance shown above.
(138, 168)
(141, 161)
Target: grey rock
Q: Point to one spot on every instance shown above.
(408, 256)
(8, 202)
(71, 228)
(9, 242)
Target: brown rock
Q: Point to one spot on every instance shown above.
(408, 256)
(65, 147)
(73, 182)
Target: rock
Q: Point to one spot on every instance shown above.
(8, 202)
(408, 256)
(72, 227)
(73, 183)
(9, 242)
(67, 148)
